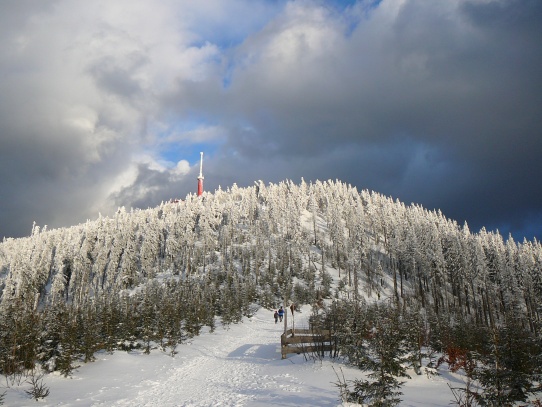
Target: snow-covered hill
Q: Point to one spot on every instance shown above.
(238, 366)
(150, 279)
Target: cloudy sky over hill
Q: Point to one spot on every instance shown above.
(108, 103)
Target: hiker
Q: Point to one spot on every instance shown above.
(281, 313)
(276, 315)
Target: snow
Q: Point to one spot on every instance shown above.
(236, 366)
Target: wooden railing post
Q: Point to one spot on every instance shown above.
(318, 342)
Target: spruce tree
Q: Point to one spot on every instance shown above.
(509, 368)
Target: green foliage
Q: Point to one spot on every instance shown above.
(382, 392)
(383, 353)
(19, 334)
(415, 337)
(507, 371)
(89, 329)
(68, 346)
(325, 284)
(503, 363)
(372, 338)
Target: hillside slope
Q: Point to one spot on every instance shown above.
(276, 235)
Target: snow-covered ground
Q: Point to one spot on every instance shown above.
(238, 366)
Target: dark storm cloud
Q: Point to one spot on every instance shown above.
(438, 103)
(153, 186)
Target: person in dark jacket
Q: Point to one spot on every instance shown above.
(281, 313)
(276, 315)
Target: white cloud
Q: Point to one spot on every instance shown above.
(79, 91)
(181, 169)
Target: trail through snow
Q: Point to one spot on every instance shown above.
(241, 366)
(238, 366)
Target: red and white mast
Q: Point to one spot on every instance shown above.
(200, 178)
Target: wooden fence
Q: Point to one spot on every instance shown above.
(305, 341)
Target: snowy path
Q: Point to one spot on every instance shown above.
(232, 370)
(239, 366)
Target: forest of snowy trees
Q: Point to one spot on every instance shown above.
(151, 278)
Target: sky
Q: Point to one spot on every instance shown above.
(108, 103)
